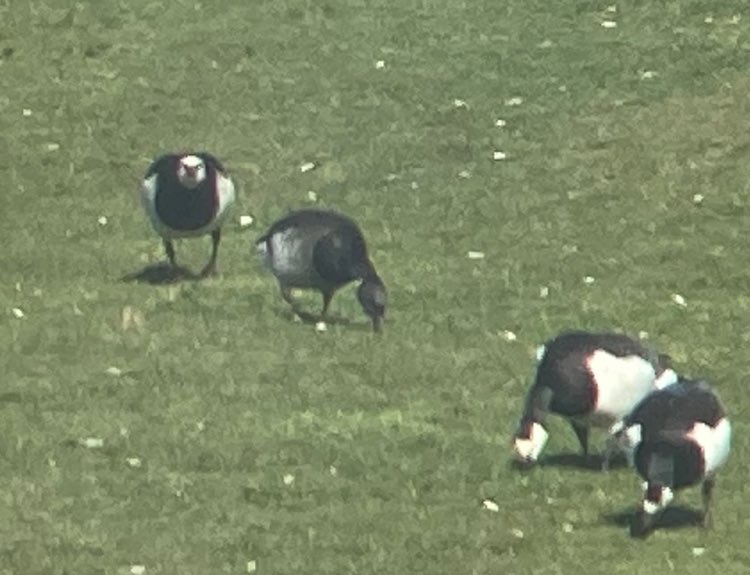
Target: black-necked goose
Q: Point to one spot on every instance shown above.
(322, 250)
(188, 195)
(678, 436)
(592, 379)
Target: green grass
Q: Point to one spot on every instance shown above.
(393, 442)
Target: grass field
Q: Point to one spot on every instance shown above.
(231, 434)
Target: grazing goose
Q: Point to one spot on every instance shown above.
(677, 436)
(322, 250)
(592, 379)
(188, 195)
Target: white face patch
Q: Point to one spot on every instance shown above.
(529, 449)
(715, 443)
(191, 171)
(652, 507)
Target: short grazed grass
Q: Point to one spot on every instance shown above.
(388, 445)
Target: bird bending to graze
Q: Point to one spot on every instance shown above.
(678, 436)
(591, 379)
(188, 195)
(322, 250)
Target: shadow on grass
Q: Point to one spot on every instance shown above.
(161, 273)
(309, 318)
(673, 517)
(579, 461)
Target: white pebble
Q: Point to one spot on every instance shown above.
(458, 103)
(735, 19)
(648, 74)
(509, 335)
(588, 280)
(612, 9)
(414, 186)
(113, 371)
(546, 44)
(708, 19)
(698, 199)
(609, 24)
(306, 167)
(698, 551)
(246, 221)
(642, 334)
(332, 470)
(53, 147)
(499, 156)
(92, 442)
(490, 505)
(321, 326)
(137, 569)
(251, 567)
(679, 300)
(18, 312)
(380, 64)
(517, 533)
(465, 174)
(543, 291)
(567, 528)
(201, 425)
(476, 255)
(514, 101)
(312, 196)
(26, 112)
(134, 462)
(288, 479)
(501, 123)
(102, 220)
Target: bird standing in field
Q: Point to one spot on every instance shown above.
(591, 379)
(188, 195)
(678, 436)
(322, 250)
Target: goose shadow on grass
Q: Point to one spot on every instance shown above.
(160, 273)
(309, 318)
(591, 462)
(673, 517)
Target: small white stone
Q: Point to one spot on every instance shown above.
(546, 44)
(458, 103)
(92, 442)
(246, 221)
(642, 334)
(201, 425)
(380, 64)
(499, 155)
(113, 371)
(514, 101)
(500, 123)
(306, 167)
(698, 199)
(709, 19)
(588, 280)
(517, 533)
(490, 505)
(543, 291)
(102, 220)
(735, 19)
(53, 147)
(18, 287)
(476, 255)
(312, 196)
(251, 566)
(648, 74)
(332, 470)
(18, 312)
(509, 335)
(214, 64)
(679, 300)
(133, 462)
(609, 24)
(567, 528)
(288, 479)
(698, 551)
(611, 9)
(465, 174)
(414, 186)
(321, 326)
(137, 569)
(27, 112)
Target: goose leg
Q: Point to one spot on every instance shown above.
(169, 248)
(707, 493)
(327, 297)
(582, 433)
(210, 268)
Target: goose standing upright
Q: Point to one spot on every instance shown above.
(591, 379)
(677, 436)
(322, 250)
(188, 195)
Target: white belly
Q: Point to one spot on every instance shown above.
(715, 443)
(621, 382)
